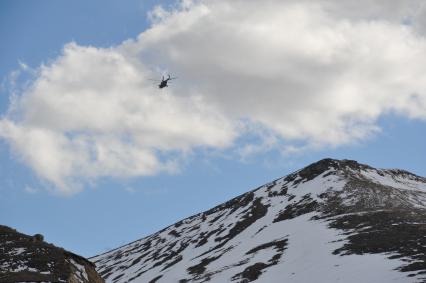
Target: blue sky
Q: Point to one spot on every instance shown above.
(220, 155)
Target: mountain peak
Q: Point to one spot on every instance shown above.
(315, 169)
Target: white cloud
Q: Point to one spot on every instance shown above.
(93, 113)
(316, 72)
(294, 66)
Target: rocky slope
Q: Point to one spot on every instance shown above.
(333, 221)
(26, 258)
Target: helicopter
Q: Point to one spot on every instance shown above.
(164, 81)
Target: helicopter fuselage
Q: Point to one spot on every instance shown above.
(163, 84)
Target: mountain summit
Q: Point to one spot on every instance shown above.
(332, 221)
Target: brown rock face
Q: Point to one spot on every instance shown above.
(26, 258)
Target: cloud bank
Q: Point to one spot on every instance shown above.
(312, 72)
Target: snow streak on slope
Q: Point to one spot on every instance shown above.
(332, 221)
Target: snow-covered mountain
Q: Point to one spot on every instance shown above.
(25, 258)
(332, 221)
